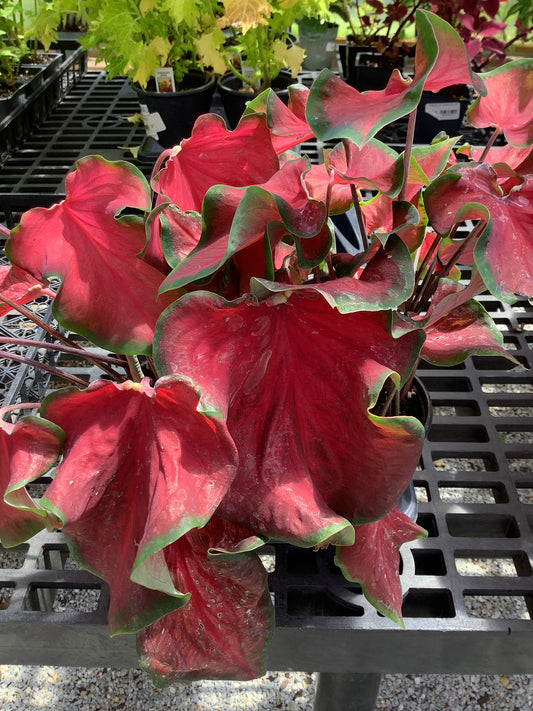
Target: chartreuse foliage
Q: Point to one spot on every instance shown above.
(265, 404)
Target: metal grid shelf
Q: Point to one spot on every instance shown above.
(468, 587)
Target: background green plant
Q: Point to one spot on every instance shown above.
(135, 37)
(12, 45)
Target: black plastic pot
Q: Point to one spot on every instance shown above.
(370, 72)
(418, 405)
(234, 99)
(438, 113)
(10, 104)
(348, 52)
(176, 111)
(51, 64)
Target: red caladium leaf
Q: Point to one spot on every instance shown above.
(141, 467)
(508, 104)
(236, 218)
(442, 47)
(287, 123)
(383, 215)
(374, 166)
(153, 251)
(213, 155)
(222, 632)
(312, 457)
(19, 286)
(179, 233)
(28, 450)
(427, 163)
(336, 110)
(107, 293)
(374, 560)
(467, 329)
(519, 159)
(504, 253)
(386, 282)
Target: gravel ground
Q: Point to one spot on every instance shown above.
(64, 688)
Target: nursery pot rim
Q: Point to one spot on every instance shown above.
(209, 81)
(284, 75)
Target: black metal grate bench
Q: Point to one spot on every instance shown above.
(468, 603)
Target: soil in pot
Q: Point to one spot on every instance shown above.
(234, 97)
(170, 116)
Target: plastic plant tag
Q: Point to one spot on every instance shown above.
(443, 111)
(164, 80)
(330, 47)
(248, 73)
(153, 123)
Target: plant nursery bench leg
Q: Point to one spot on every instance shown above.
(349, 692)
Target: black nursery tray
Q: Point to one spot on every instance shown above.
(51, 85)
(468, 586)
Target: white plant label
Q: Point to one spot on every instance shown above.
(248, 72)
(153, 123)
(164, 80)
(444, 111)
(330, 47)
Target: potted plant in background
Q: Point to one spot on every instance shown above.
(23, 67)
(141, 40)
(483, 31)
(317, 32)
(258, 384)
(260, 51)
(12, 49)
(485, 27)
(375, 45)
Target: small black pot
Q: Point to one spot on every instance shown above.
(178, 110)
(234, 99)
(438, 113)
(418, 405)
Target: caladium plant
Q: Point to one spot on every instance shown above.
(257, 375)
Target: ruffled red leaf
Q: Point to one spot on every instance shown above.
(222, 632)
(141, 467)
(336, 110)
(213, 155)
(287, 123)
(386, 282)
(107, 293)
(297, 380)
(28, 450)
(374, 560)
(467, 329)
(427, 163)
(374, 166)
(180, 233)
(504, 253)
(519, 159)
(508, 104)
(19, 286)
(440, 46)
(236, 219)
